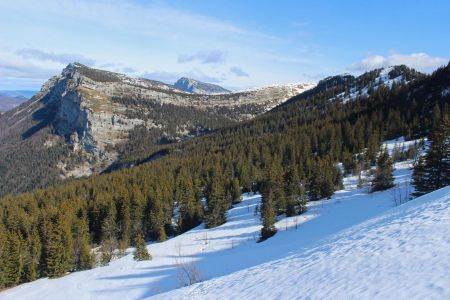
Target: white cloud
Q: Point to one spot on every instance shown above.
(419, 61)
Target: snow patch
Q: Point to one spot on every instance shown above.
(445, 92)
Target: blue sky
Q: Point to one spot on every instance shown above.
(236, 44)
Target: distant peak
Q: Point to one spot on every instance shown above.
(197, 87)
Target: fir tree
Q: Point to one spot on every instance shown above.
(33, 257)
(156, 215)
(190, 208)
(141, 252)
(275, 183)
(235, 190)
(11, 264)
(82, 252)
(58, 252)
(268, 214)
(216, 200)
(438, 157)
(109, 235)
(302, 199)
(292, 190)
(433, 172)
(384, 178)
(327, 183)
(419, 178)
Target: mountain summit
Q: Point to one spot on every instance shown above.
(198, 87)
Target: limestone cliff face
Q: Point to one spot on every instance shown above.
(84, 113)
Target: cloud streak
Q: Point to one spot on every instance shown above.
(420, 61)
(19, 73)
(64, 58)
(238, 72)
(203, 57)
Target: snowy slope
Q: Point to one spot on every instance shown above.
(402, 254)
(224, 250)
(383, 78)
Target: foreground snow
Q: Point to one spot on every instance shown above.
(402, 254)
(289, 265)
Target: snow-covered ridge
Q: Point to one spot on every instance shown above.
(386, 77)
(294, 86)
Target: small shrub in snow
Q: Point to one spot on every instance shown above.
(141, 252)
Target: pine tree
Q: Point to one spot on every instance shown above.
(58, 251)
(276, 177)
(327, 183)
(302, 199)
(190, 208)
(433, 172)
(235, 190)
(156, 214)
(137, 203)
(11, 264)
(321, 181)
(216, 200)
(141, 252)
(124, 219)
(268, 214)
(109, 235)
(438, 157)
(33, 257)
(314, 184)
(292, 190)
(244, 177)
(82, 252)
(419, 178)
(384, 178)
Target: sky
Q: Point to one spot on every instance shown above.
(233, 43)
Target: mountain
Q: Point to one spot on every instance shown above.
(198, 87)
(298, 156)
(10, 99)
(87, 120)
(7, 102)
(27, 94)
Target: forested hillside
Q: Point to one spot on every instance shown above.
(289, 154)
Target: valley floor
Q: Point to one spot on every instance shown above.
(356, 245)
